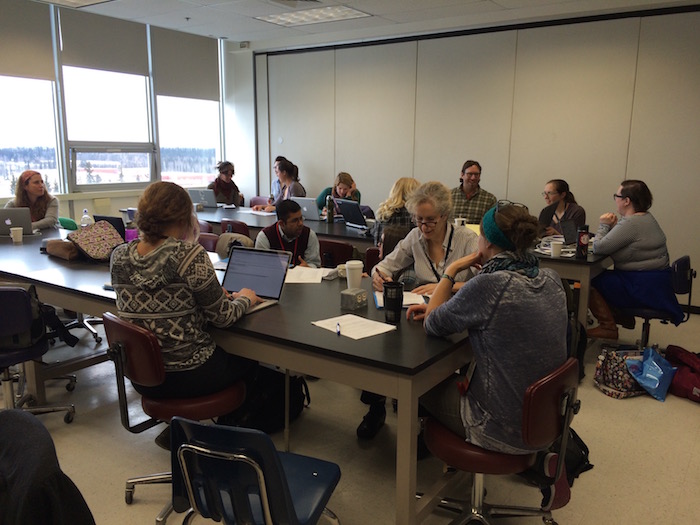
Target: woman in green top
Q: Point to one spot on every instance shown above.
(343, 188)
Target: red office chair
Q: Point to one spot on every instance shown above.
(205, 227)
(208, 241)
(371, 258)
(236, 227)
(136, 354)
(549, 406)
(259, 200)
(334, 253)
(682, 276)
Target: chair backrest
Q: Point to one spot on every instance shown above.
(15, 310)
(371, 258)
(205, 227)
(67, 223)
(208, 241)
(227, 473)
(549, 405)
(334, 253)
(258, 200)
(682, 275)
(139, 348)
(236, 227)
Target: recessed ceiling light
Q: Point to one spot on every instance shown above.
(313, 16)
(74, 3)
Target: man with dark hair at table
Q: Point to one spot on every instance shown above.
(469, 201)
(290, 234)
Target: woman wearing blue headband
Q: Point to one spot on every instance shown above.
(516, 316)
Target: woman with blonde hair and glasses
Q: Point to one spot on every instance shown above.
(31, 192)
(432, 245)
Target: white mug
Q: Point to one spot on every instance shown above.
(353, 271)
(556, 247)
(16, 234)
(460, 221)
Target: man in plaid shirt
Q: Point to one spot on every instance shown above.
(468, 199)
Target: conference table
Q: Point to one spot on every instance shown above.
(256, 222)
(402, 363)
(581, 270)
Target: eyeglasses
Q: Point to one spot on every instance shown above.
(471, 174)
(429, 223)
(616, 196)
(550, 193)
(504, 203)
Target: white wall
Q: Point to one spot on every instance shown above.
(593, 103)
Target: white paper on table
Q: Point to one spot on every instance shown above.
(409, 298)
(304, 274)
(354, 326)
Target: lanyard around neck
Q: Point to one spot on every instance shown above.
(447, 253)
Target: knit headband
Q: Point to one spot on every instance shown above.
(493, 233)
(28, 175)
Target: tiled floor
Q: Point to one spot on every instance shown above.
(646, 453)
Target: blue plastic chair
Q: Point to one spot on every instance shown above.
(236, 475)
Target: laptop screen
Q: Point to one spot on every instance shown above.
(15, 217)
(263, 271)
(352, 213)
(308, 208)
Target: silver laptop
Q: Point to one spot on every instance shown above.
(205, 197)
(352, 213)
(263, 271)
(309, 210)
(13, 218)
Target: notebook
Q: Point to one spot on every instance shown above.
(263, 271)
(13, 218)
(308, 208)
(352, 213)
(117, 222)
(205, 197)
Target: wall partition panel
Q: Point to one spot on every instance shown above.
(574, 87)
(25, 40)
(464, 107)
(301, 94)
(665, 130)
(375, 116)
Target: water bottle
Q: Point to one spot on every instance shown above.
(330, 208)
(582, 242)
(86, 219)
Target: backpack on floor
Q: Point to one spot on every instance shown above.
(37, 329)
(263, 408)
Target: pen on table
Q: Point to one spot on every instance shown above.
(337, 328)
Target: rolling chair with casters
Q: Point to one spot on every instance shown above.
(236, 475)
(236, 227)
(16, 318)
(205, 227)
(549, 406)
(208, 241)
(334, 253)
(682, 276)
(136, 354)
(35, 491)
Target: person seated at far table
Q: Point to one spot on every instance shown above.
(288, 175)
(166, 283)
(225, 190)
(516, 315)
(393, 210)
(31, 192)
(556, 191)
(290, 234)
(431, 246)
(343, 188)
(469, 200)
(642, 276)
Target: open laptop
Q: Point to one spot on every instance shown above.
(117, 222)
(263, 271)
(352, 213)
(13, 218)
(569, 231)
(308, 208)
(205, 197)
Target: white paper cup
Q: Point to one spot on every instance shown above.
(353, 270)
(16, 234)
(556, 248)
(460, 221)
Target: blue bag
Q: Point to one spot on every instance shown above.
(653, 373)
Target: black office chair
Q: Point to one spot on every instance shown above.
(682, 276)
(33, 488)
(235, 475)
(17, 317)
(334, 253)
